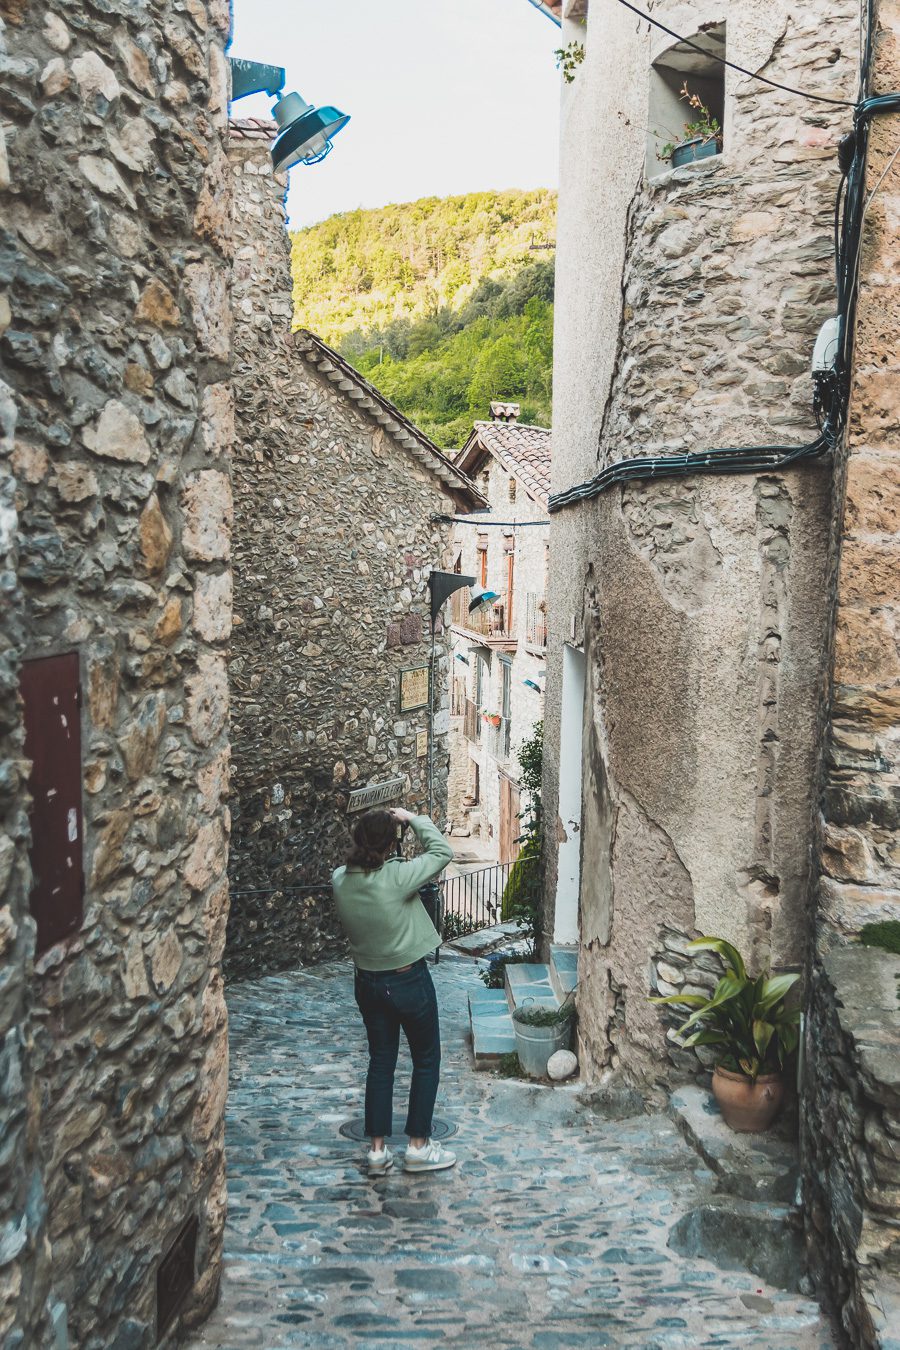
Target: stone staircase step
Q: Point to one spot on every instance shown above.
(563, 970)
(762, 1167)
(527, 983)
(491, 1024)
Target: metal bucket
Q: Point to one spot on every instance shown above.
(535, 1045)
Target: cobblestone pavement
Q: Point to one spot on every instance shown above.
(550, 1233)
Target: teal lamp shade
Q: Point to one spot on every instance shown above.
(533, 684)
(305, 133)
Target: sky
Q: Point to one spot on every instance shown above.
(445, 96)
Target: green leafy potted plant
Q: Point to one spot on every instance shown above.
(753, 1030)
(699, 138)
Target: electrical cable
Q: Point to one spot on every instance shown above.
(832, 387)
(818, 98)
(486, 524)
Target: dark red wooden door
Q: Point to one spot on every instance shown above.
(50, 692)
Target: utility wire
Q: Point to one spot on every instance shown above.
(818, 98)
(486, 524)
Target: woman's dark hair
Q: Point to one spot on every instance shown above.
(374, 835)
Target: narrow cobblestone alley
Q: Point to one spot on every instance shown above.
(550, 1232)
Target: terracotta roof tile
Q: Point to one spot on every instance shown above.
(523, 450)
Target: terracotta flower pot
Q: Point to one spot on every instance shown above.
(748, 1107)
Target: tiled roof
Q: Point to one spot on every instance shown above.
(523, 451)
(252, 128)
(356, 387)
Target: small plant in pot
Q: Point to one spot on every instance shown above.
(699, 138)
(747, 1021)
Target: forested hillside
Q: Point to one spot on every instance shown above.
(443, 303)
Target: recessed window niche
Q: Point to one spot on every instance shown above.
(702, 74)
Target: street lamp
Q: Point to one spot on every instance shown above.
(305, 133)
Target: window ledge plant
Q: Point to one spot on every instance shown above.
(748, 1023)
(700, 137)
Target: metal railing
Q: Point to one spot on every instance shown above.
(535, 620)
(487, 621)
(475, 900)
(471, 722)
(498, 738)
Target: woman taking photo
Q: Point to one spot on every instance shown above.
(389, 932)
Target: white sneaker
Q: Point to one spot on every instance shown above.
(379, 1162)
(432, 1157)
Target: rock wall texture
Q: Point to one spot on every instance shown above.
(687, 321)
(333, 547)
(851, 1142)
(851, 1128)
(114, 524)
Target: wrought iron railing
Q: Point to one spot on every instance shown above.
(535, 620)
(475, 900)
(490, 620)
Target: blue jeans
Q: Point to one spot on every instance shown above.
(389, 1001)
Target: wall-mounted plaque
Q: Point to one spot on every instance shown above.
(376, 794)
(413, 689)
(421, 744)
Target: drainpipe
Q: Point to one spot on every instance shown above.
(545, 9)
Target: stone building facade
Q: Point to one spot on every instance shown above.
(851, 1118)
(687, 615)
(498, 651)
(114, 527)
(723, 650)
(337, 497)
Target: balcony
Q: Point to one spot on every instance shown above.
(491, 624)
(535, 621)
(498, 739)
(471, 722)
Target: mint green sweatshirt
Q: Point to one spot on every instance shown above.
(380, 911)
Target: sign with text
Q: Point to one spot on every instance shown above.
(376, 794)
(421, 744)
(413, 688)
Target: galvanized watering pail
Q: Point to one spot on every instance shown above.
(535, 1045)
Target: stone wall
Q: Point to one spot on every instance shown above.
(115, 346)
(851, 1127)
(686, 319)
(851, 1142)
(334, 545)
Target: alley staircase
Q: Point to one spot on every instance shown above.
(490, 1010)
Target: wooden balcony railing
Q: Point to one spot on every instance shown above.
(488, 621)
(498, 739)
(535, 620)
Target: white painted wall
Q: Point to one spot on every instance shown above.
(565, 924)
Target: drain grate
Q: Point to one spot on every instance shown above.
(356, 1129)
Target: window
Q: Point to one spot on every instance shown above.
(483, 572)
(505, 688)
(510, 581)
(512, 489)
(50, 690)
(702, 76)
(479, 682)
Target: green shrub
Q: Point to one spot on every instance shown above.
(885, 935)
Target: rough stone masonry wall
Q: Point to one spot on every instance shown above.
(851, 1142)
(851, 1099)
(115, 345)
(702, 599)
(333, 547)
